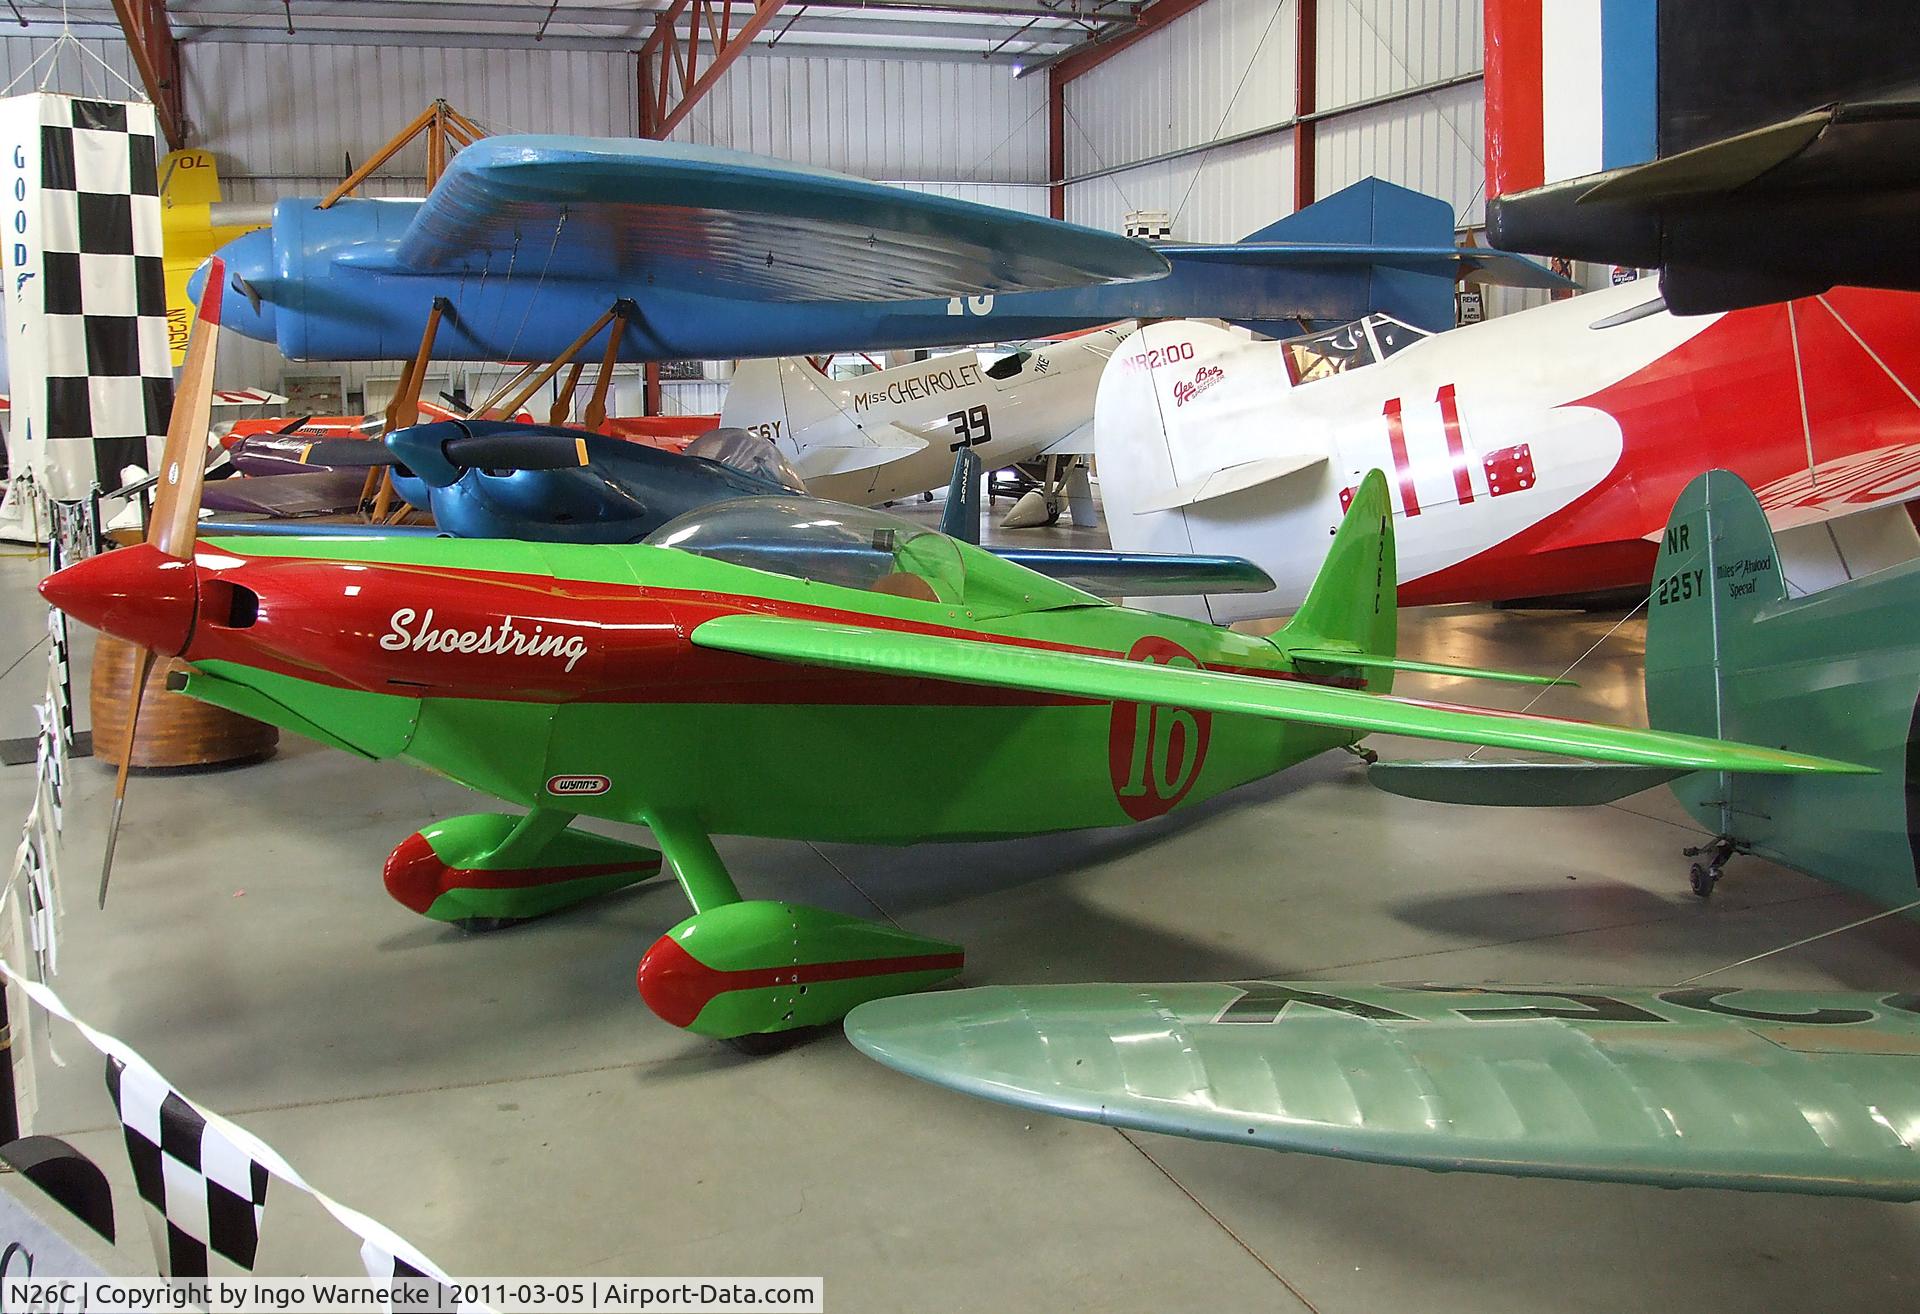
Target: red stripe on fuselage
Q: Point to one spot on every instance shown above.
(634, 638)
(1397, 443)
(1456, 443)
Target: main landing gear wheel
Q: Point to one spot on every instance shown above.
(762, 1044)
(1704, 876)
(487, 925)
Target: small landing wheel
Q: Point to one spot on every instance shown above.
(762, 1043)
(488, 925)
(1704, 876)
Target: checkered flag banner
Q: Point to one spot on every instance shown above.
(31, 892)
(207, 1178)
(427, 1288)
(1149, 225)
(206, 1192)
(86, 315)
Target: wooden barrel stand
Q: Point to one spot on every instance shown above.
(175, 730)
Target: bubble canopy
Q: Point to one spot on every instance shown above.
(860, 548)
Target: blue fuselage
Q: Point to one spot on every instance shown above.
(324, 285)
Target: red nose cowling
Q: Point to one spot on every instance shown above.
(137, 593)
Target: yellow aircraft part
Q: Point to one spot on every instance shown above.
(189, 189)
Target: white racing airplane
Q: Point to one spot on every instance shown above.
(893, 433)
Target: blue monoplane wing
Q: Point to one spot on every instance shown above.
(673, 215)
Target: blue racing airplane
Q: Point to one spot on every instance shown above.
(545, 484)
(723, 255)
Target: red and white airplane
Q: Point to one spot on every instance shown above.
(1535, 454)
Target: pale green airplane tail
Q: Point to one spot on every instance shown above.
(1351, 607)
(1716, 574)
(1836, 673)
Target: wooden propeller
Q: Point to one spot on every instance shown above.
(175, 523)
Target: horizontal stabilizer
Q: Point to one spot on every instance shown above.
(675, 215)
(1516, 784)
(1342, 657)
(1140, 574)
(1077, 443)
(1755, 1090)
(1040, 670)
(1716, 168)
(1374, 223)
(1231, 479)
(822, 462)
(1498, 267)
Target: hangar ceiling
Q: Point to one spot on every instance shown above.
(1000, 31)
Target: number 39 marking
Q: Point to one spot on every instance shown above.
(972, 427)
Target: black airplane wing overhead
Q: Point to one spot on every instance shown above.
(1785, 210)
(1788, 158)
(668, 214)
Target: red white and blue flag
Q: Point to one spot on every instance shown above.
(1571, 89)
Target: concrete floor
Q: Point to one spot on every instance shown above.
(509, 1104)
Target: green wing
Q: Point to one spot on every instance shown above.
(1007, 665)
(1744, 1089)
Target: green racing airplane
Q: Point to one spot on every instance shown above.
(777, 667)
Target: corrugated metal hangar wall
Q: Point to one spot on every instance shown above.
(1228, 70)
(1395, 92)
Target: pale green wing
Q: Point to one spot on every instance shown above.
(1008, 665)
(1745, 1089)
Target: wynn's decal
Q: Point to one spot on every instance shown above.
(1154, 754)
(501, 638)
(577, 786)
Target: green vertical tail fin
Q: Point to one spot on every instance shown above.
(1716, 570)
(1835, 673)
(1352, 602)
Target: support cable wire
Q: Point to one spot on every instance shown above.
(1808, 939)
(1227, 113)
